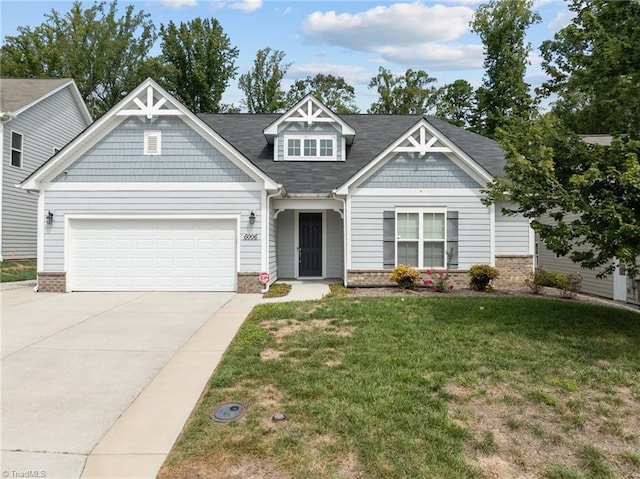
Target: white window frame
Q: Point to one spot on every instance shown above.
(19, 150)
(421, 239)
(147, 135)
(317, 156)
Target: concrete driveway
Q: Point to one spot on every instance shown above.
(73, 363)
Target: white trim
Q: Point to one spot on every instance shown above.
(619, 283)
(465, 161)
(296, 244)
(110, 120)
(421, 192)
(40, 232)
(1, 178)
(532, 239)
(264, 236)
(140, 216)
(348, 215)
(151, 186)
(308, 136)
(421, 211)
(304, 205)
(492, 232)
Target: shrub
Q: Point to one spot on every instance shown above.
(481, 277)
(405, 276)
(535, 287)
(542, 278)
(438, 280)
(570, 285)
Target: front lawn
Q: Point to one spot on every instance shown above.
(17, 270)
(411, 387)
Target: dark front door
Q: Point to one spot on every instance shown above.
(310, 244)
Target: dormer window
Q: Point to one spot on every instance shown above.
(321, 148)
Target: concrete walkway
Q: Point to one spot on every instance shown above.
(302, 291)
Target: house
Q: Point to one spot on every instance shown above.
(37, 118)
(154, 197)
(617, 286)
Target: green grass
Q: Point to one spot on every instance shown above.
(399, 387)
(18, 270)
(277, 290)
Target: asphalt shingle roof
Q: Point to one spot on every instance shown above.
(374, 133)
(16, 93)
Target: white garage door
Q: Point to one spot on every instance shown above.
(152, 255)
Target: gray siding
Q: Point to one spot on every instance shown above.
(152, 202)
(50, 124)
(512, 232)
(409, 170)
(590, 283)
(335, 245)
(318, 129)
(185, 156)
(367, 227)
(286, 244)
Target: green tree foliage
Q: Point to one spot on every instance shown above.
(411, 93)
(504, 95)
(104, 53)
(261, 84)
(199, 62)
(594, 65)
(583, 199)
(456, 103)
(333, 91)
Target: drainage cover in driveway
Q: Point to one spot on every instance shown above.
(228, 411)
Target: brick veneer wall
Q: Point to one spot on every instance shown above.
(514, 269)
(52, 282)
(248, 282)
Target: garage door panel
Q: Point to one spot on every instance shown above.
(152, 255)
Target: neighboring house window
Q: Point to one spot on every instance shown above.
(152, 142)
(16, 149)
(421, 238)
(317, 148)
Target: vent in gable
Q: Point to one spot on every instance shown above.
(152, 142)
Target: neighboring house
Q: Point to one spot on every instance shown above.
(37, 118)
(153, 197)
(616, 286)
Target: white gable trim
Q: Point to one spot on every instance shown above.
(309, 110)
(422, 145)
(113, 117)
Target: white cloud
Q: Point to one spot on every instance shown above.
(351, 73)
(406, 33)
(179, 3)
(247, 6)
(562, 19)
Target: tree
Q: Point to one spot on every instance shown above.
(333, 91)
(104, 53)
(411, 93)
(261, 85)
(590, 194)
(504, 95)
(594, 65)
(199, 62)
(456, 103)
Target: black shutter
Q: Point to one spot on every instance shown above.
(389, 239)
(452, 239)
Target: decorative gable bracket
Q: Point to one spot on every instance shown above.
(151, 108)
(422, 142)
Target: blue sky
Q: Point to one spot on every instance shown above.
(346, 38)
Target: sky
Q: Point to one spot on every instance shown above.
(345, 38)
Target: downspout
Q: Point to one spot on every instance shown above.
(268, 229)
(334, 195)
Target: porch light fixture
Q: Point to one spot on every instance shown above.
(49, 217)
(252, 218)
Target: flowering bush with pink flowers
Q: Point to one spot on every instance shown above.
(438, 280)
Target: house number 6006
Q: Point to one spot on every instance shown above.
(250, 236)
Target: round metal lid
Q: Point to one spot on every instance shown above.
(228, 411)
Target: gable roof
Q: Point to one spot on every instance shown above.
(147, 99)
(20, 94)
(374, 133)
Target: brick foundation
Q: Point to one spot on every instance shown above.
(248, 282)
(52, 282)
(514, 269)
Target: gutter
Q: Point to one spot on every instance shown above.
(279, 192)
(334, 195)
